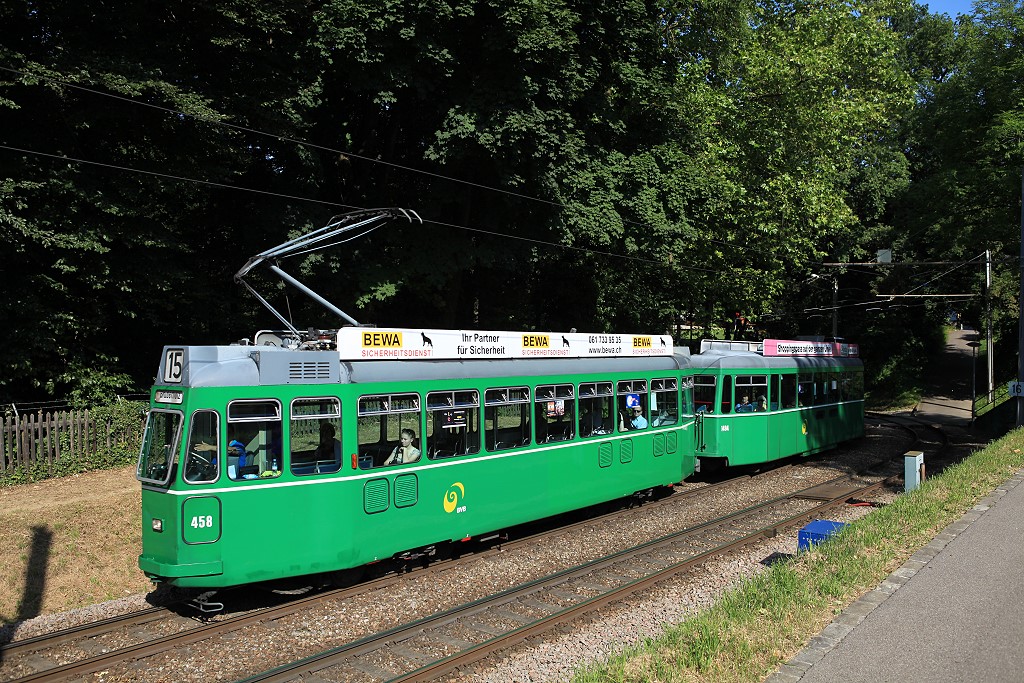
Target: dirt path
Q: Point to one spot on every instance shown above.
(69, 542)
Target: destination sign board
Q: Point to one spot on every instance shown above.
(788, 347)
(361, 343)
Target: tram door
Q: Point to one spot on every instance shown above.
(785, 425)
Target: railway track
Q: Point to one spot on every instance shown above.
(162, 629)
(154, 636)
(429, 648)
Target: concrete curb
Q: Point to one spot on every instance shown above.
(842, 625)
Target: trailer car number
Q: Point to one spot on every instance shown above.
(725, 428)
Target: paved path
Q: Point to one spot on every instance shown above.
(955, 610)
(949, 393)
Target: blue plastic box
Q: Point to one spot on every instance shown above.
(817, 531)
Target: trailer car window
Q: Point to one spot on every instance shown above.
(726, 403)
(704, 393)
(789, 391)
(755, 389)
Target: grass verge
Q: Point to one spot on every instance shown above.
(753, 629)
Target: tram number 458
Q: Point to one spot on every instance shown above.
(202, 522)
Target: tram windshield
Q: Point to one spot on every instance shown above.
(159, 444)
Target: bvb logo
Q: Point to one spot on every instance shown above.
(452, 496)
(803, 428)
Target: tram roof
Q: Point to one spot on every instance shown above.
(236, 365)
(724, 359)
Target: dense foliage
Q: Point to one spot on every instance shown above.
(596, 164)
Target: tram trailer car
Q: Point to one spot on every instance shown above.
(758, 402)
(262, 463)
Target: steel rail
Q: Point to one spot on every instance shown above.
(336, 656)
(149, 648)
(95, 628)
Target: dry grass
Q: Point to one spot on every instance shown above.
(69, 542)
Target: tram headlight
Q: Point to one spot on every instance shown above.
(158, 525)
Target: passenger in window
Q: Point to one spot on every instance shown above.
(762, 403)
(244, 468)
(745, 406)
(236, 449)
(634, 419)
(327, 447)
(540, 422)
(591, 422)
(405, 451)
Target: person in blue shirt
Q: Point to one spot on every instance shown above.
(635, 416)
(745, 406)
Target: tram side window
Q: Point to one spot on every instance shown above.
(789, 391)
(838, 386)
(632, 404)
(726, 394)
(805, 390)
(704, 393)
(664, 402)
(453, 423)
(159, 442)
(597, 406)
(507, 418)
(202, 459)
(382, 420)
(255, 449)
(821, 388)
(554, 412)
(687, 396)
(751, 393)
(315, 436)
(855, 387)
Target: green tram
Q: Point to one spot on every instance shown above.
(261, 462)
(761, 401)
(305, 452)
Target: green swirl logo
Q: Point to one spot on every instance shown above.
(453, 495)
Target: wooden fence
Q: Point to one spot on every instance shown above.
(51, 437)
